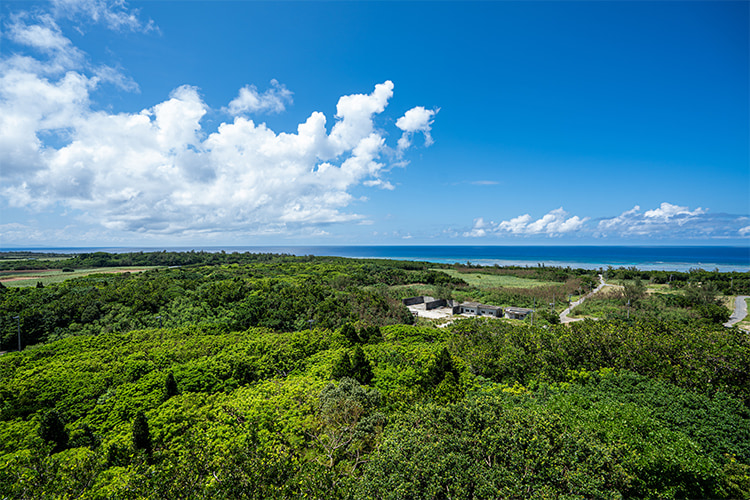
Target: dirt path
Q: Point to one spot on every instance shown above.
(564, 315)
(740, 310)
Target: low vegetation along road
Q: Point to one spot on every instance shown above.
(740, 310)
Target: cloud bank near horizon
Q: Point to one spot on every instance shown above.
(158, 170)
(667, 221)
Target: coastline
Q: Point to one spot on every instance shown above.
(667, 258)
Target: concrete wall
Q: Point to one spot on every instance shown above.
(412, 301)
(435, 304)
(490, 311)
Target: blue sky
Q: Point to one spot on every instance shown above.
(250, 123)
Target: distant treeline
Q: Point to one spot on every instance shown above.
(282, 292)
(728, 283)
(25, 260)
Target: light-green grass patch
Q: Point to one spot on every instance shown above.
(481, 280)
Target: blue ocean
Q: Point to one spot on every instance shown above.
(668, 258)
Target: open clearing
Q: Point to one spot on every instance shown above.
(47, 276)
(481, 280)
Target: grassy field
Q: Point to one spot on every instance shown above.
(662, 288)
(48, 276)
(481, 280)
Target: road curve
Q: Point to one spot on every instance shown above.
(564, 315)
(740, 310)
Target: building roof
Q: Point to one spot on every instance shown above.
(518, 310)
(477, 304)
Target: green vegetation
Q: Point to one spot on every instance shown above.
(285, 377)
(731, 283)
(691, 303)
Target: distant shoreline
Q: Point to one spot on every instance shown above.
(668, 258)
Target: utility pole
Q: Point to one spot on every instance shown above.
(18, 324)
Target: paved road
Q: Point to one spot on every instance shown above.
(564, 315)
(740, 310)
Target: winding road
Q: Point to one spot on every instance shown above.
(564, 315)
(740, 310)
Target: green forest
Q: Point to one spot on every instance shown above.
(232, 376)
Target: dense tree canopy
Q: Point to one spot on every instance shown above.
(302, 377)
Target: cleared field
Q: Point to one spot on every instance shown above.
(48, 276)
(480, 280)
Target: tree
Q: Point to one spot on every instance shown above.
(361, 369)
(715, 313)
(350, 333)
(634, 291)
(440, 368)
(348, 421)
(170, 386)
(52, 430)
(141, 435)
(342, 368)
(370, 334)
(701, 293)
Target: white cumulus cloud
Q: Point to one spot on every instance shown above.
(667, 211)
(417, 119)
(158, 170)
(249, 100)
(555, 223)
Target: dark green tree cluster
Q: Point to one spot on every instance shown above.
(355, 366)
(363, 335)
(279, 292)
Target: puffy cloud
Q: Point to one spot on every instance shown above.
(516, 225)
(249, 100)
(667, 219)
(478, 230)
(417, 119)
(668, 211)
(554, 223)
(157, 170)
(354, 114)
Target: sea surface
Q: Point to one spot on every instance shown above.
(668, 258)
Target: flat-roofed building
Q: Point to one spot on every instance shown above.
(517, 312)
